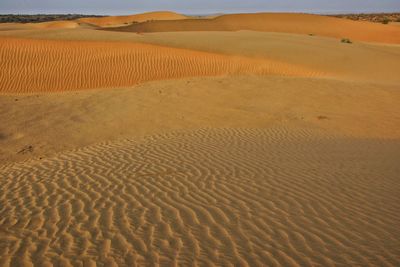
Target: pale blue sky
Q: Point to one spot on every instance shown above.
(196, 6)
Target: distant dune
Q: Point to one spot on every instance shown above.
(109, 21)
(43, 65)
(278, 22)
(120, 20)
(56, 24)
(62, 24)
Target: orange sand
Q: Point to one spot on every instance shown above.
(120, 20)
(246, 148)
(44, 66)
(271, 22)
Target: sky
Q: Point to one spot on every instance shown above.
(121, 7)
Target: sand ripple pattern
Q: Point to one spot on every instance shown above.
(47, 66)
(228, 197)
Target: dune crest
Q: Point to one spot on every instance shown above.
(278, 22)
(66, 24)
(50, 66)
(111, 21)
(61, 24)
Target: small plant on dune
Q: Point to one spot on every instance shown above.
(385, 21)
(311, 34)
(346, 41)
(321, 117)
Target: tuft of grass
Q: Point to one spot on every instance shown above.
(385, 21)
(321, 117)
(346, 41)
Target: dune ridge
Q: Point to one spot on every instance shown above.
(213, 197)
(96, 22)
(278, 22)
(49, 66)
(112, 21)
(62, 24)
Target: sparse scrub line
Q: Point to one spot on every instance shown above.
(16, 18)
(385, 21)
(384, 18)
(344, 40)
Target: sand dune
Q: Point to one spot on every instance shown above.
(229, 197)
(83, 118)
(271, 147)
(12, 26)
(62, 24)
(39, 66)
(275, 22)
(38, 26)
(112, 21)
(55, 25)
(357, 61)
(108, 21)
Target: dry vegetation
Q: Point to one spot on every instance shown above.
(16, 18)
(384, 18)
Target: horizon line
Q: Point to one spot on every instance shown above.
(205, 13)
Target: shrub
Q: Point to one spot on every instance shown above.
(321, 117)
(346, 41)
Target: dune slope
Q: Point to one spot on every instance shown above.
(209, 197)
(111, 21)
(40, 125)
(356, 61)
(55, 25)
(275, 22)
(43, 65)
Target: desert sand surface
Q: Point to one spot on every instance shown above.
(113, 21)
(278, 22)
(325, 56)
(222, 144)
(239, 197)
(82, 118)
(28, 65)
(55, 24)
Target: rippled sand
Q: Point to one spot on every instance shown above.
(210, 197)
(211, 146)
(29, 66)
